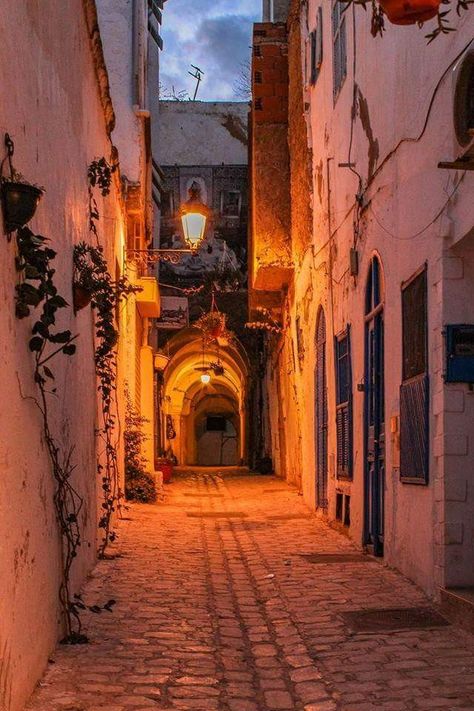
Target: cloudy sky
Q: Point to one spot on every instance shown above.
(215, 35)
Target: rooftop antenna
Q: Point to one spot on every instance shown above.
(197, 74)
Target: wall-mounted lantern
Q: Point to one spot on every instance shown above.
(194, 214)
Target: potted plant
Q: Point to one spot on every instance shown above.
(161, 360)
(164, 464)
(85, 277)
(212, 324)
(409, 12)
(19, 200)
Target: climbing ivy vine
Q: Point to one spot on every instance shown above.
(37, 291)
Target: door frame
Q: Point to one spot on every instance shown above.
(374, 315)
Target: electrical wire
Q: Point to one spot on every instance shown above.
(435, 218)
(427, 118)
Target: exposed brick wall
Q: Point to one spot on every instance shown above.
(300, 153)
(270, 73)
(271, 264)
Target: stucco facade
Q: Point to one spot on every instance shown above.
(59, 107)
(57, 120)
(375, 132)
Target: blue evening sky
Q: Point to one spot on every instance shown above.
(215, 35)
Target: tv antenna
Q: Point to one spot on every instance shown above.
(198, 75)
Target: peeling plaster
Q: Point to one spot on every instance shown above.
(236, 128)
(374, 149)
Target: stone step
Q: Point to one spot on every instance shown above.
(457, 604)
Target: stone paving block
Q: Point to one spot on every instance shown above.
(199, 625)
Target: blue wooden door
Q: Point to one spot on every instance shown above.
(321, 420)
(374, 412)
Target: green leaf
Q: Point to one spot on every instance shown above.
(61, 337)
(36, 343)
(21, 310)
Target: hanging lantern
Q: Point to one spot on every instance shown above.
(194, 214)
(409, 12)
(205, 378)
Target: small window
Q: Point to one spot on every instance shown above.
(339, 45)
(216, 423)
(167, 204)
(464, 101)
(231, 202)
(414, 390)
(344, 405)
(414, 310)
(339, 506)
(316, 44)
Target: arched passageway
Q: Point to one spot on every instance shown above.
(205, 423)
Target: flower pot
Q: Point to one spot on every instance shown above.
(409, 12)
(19, 201)
(161, 361)
(81, 297)
(166, 468)
(217, 331)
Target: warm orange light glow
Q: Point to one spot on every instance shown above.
(205, 378)
(194, 228)
(194, 214)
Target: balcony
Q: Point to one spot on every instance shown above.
(148, 300)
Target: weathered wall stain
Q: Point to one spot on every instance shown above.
(374, 149)
(236, 128)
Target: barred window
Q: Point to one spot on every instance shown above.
(344, 405)
(339, 45)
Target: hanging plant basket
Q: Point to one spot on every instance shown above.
(81, 297)
(212, 324)
(19, 203)
(409, 12)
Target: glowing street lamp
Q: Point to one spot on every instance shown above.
(194, 214)
(205, 378)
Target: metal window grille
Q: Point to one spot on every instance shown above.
(339, 45)
(414, 391)
(316, 43)
(344, 405)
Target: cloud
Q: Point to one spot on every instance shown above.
(216, 37)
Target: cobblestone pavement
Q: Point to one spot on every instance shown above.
(222, 612)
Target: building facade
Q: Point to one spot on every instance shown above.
(205, 424)
(365, 260)
(65, 105)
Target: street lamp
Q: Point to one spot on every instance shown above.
(194, 214)
(205, 378)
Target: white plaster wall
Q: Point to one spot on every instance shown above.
(397, 75)
(191, 124)
(51, 108)
(116, 27)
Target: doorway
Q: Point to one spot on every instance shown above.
(374, 416)
(321, 414)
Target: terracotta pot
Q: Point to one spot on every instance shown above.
(19, 201)
(80, 297)
(217, 331)
(409, 12)
(166, 468)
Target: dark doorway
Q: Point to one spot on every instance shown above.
(321, 414)
(374, 411)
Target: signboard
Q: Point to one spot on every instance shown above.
(174, 313)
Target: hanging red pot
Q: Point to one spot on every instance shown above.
(409, 12)
(217, 331)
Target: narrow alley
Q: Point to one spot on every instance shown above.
(225, 600)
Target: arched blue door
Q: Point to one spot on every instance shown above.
(374, 411)
(321, 415)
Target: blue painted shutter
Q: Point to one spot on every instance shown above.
(344, 406)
